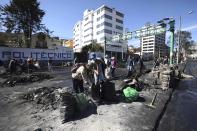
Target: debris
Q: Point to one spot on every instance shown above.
(12, 81)
(151, 105)
(67, 106)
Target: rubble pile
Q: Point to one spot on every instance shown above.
(12, 81)
(162, 77)
(48, 97)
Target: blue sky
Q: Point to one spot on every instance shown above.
(61, 15)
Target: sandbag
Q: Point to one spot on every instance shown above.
(95, 92)
(108, 91)
(130, 94)
(81, 101)
(67, 106)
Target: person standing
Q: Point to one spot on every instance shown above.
(12, 66)
(113, 66)
(108, 66)
(130, 66)
(50, 65)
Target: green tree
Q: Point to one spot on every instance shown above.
(93, 47)
(185, 39)
(41, 42)
(23, 16)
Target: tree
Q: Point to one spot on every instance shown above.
(1, 19)
(41, 42)
(23, 16)
(93, 47)
(185, 39)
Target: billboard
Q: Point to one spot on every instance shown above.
(7, 53)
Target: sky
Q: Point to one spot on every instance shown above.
(61, 15)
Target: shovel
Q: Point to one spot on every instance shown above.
(151, 105)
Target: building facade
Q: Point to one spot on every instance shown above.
(154, 46)
(99, 26)
(67, 43)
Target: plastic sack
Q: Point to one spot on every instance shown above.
(130, 94)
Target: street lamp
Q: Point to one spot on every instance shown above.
(171, 23)
(179, 36)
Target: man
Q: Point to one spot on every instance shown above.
(50, 65)
(113, 66)
(79, 76)
(12, 66)
(130, 66)
(108, 65)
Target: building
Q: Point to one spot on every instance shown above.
(67, 43)
(99, 26)
(193, 51)
(38, 40)
(154, 46)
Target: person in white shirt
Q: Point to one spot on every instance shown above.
(79, 76)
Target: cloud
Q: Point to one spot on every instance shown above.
(193, 27)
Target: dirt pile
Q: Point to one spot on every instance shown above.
(47, 97)
(12, 81)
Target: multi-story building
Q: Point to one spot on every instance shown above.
(153, 46)
(99, 26)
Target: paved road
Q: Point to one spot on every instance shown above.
(181, 113)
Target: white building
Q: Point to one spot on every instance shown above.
(154, 46)
(97, 25)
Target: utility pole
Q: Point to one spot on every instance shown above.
(179, 41)
(105, 41)
(171, 23)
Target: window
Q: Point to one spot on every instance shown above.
(88, 23)
(119, 14)
(107, 31)
(86, 36)
(88, 29)
(106, 24)
(98, 32)
(108, 9)
(98, 26)
(98, 18)
(98, 12)
(119, 27)
(107, 16)
(86, 18)
(119, 21)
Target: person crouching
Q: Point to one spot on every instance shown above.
(79, 76)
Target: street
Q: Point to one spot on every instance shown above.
(181, 111)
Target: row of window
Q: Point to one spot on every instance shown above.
(88, 23)
(88, 29)
(147, 44)
(109, 10)
(148, 50)
(105, 31)
(110, 18)
(148, 38)
(148, 47)
(87, 41)
(119, 27)
(109, 25)
(87, 35)
(104, 23)
(145, 41)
